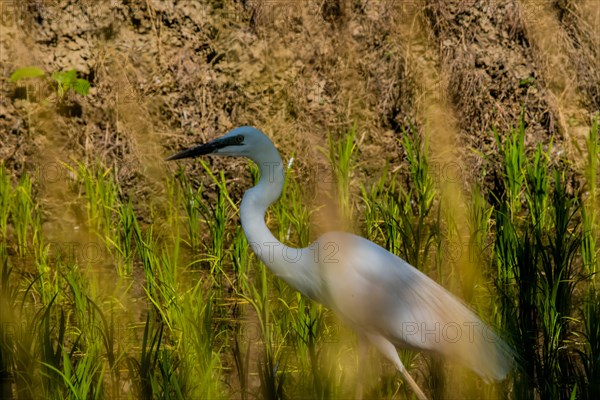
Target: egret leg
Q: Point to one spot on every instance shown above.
(363, 347)
(388, 349)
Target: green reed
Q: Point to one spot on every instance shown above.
(170, 329)
(539, 263)
(5, 197)
(341, 154)
(102, 194)
(24, 215)
(401, 218)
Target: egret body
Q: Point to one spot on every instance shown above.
(386, 301)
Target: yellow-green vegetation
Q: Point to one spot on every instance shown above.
(178, 307)
(62, 81)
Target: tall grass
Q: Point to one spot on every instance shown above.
(25, 216)
(541, 258)
(61, 344)
(589, 377)
(341, 154)
(181, 308)
(101, 191)
(589, 248)
(5, 195)
(401, 213)
(401, 218)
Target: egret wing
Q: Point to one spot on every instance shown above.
(376, 291)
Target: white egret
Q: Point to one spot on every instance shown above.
(386, 301)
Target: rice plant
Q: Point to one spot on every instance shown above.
(480, 218)
(402, 214)
(8, 322)
(194, 314)
(589, 378)
(589, 217)
(124, 247)
(109, 215)
(5, 197)
(538, 239)
(341, 155)
(191, 204)
(401, 218)
(24, 215)
(216, 216)
(101, 193)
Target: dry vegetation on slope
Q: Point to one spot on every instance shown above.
(161, 71)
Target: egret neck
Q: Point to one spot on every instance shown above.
(269, 249)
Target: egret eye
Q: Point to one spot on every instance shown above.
(239, 138)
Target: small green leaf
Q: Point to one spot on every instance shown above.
(527, 81)
(61, 89)
(65, 77)
(81, 86)
(26, 73)
(67, 80)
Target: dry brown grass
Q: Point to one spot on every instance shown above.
(166, 76)
(552, 49)
(580, 22)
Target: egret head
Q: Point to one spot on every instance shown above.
(245, 141)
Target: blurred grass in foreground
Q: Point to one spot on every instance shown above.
(181, 308)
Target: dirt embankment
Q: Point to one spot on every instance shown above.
(166, 74)
(493, 77)
(502, 60)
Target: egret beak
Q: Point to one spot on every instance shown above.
(206, 148)
(195, 151)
